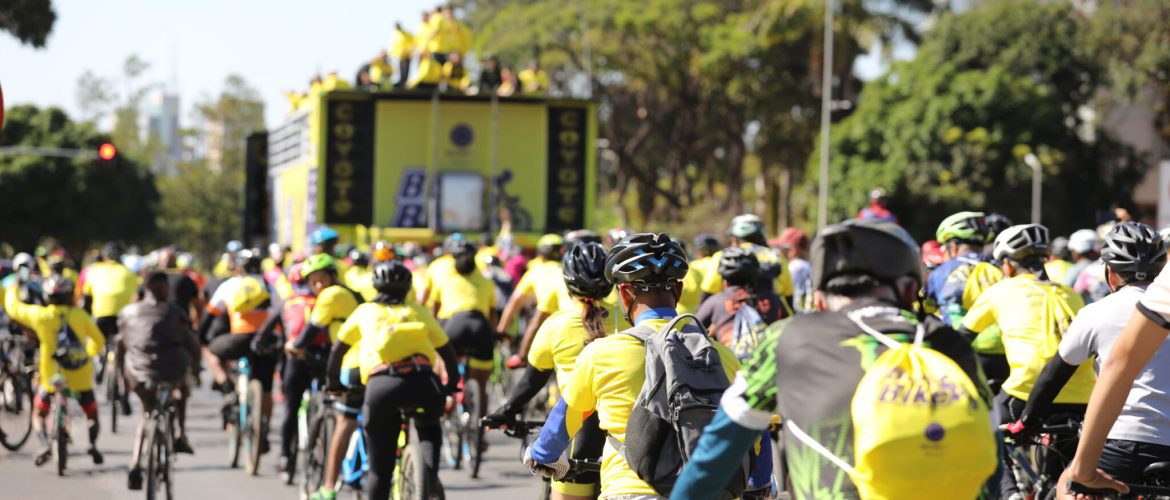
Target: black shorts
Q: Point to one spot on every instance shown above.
(355, 393)
(108, 325)
(470, 334)
(236, 346)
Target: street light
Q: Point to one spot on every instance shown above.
(1034, 163)
(826, 103)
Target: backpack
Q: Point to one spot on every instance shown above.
(250, 294)
(748, 329)
(70, 353)
(684, 382)
(916, 415)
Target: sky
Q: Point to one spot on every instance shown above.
(193, 45)
(274, 45)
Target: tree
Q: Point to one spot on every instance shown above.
(97, 96)
(948, 131)
(30, 21)
(79, 202)
(1133, 39)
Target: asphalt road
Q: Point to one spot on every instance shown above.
(206, 474)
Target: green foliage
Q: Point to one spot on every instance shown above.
(78, 202)
(1133, 38)
(30, 21)
(948, 131)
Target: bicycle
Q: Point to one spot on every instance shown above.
(412, 478)
(305, 417)
(320, 423)
(60, 436)
(16, 393)
(522, 429)
(1034, 474)
(115, 385)
(160, 443)
(463, 436)
(246, 429)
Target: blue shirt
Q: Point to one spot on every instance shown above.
(946, 284)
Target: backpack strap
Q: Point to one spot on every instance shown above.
(819, 448)
(919, 333)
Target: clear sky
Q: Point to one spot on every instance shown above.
(274, 44)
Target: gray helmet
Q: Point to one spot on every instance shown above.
(649, 261)
(868, 247)
(1134, 251)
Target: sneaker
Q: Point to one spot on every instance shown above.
(264, 446)
(43, 457)
(125, 404)
(323, 494)
(183, 446)
(134, 480)
(96, 456)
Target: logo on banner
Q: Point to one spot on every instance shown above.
(411, 200)
(566, 169)
(462, 135)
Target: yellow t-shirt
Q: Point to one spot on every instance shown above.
(401, 45)
(333, 307)
(435, 273)
(549, 287)
(607, 378)
(361, 280)
(45, 322)
(533, 82)
(557, 343)
(384, 334)
(458, 293)
(1017, 305)
(692, 290)
(430, 72)
(112, 287)
(713, 282)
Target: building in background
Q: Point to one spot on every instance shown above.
(162, 129)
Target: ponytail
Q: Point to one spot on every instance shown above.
(593, 317)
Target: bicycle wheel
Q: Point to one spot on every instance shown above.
(255, 424)
(61, 435)
(168, 453)
(113, 389)
(235, 440)
(317, 450)
(453, 438)
(473, 431)
(16, 399)
(412, 472)
(153, 459)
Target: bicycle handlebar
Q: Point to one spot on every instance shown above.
(1134, 489)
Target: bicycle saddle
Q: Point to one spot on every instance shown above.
(1157, 469)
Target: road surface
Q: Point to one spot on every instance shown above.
(206, 475)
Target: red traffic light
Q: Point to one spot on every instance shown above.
(107, 151)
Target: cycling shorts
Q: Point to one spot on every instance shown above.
(44, 401)
(355, 394)
(471, 335)
(108, 325)
(228, 347)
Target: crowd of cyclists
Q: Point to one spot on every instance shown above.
(714, 368)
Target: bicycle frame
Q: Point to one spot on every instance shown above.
(356, 463)
(245, 372)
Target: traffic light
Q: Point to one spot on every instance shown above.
(107, 151)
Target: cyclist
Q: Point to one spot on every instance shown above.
(184, 292)
(870, 270)
(879, 200)
(110, 286)
(555, 349)
(1084, 247)
(359, 277)
(1133, 254)
(334, 304)
(463, 302)
(244, 300)
(741, 275)
(47, 322)
(440, 267)
(1059, 264)
(747, 231)
(545, 282)
(1032, 314)
(705, 246)
(397, 344)
(793, 244)
(961, 237)
(26, 278)
(324, 241)
(160, 347)
(647, 269)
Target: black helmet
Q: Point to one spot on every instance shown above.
(739, 266)
(874, 248)
(249, 260)
(112, 251)
(650, 261)
(359, 258)
(57, 286)
(1135, 251)
(584, 271)
(707, 243)
(462, 247)
(392, 278)
(996, 224)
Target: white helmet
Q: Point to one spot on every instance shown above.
(23, 259)
(1165, 234)
(1084, 241)
(1020, 242)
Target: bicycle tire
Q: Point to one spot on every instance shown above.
(471, 426)
(235, 439)
(255, 422)
(62, 435)
(453, 438)
(16, 401)
(169, 454)
(317, 450)
(152, 460)
(415, 485)
(112, 396)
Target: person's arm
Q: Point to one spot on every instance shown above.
(308, 332)
(509, 312)
(530, 332)
(1048, 385)
(94, 340)
(451, 365)
(333, 368)
(530, 384)
(1135, 347)
(267, 331)
(578, 400)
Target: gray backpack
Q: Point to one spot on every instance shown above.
(684, 382)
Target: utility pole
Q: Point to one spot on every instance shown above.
(826, 105)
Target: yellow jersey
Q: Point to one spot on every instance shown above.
(459, 293)
(692, 291)
(45, 322)
(112, 287)
(385, 334)
(361, 280)
(557, 343)
(333, 307)
(607, 378)
(1018, 305)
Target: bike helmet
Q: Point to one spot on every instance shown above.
(1084, 241)
(581, 236)
(322, 235)
(707, 243)
(24, 259)
(648, 261)
(234, 246)
(1134, 251)
(382, 251)
(57, 286)
(1060, 248)
(450, 241)
(392, 278)
(964, 227)
(549, 246)
(318, 262)
(868, 247)
(996, 224)
(584, 271)
(359, 258)
(249, 260)
(112, 251)
(1021, 242)
(185, 260)
(746, 225)
(613, 236)
(739, 266)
